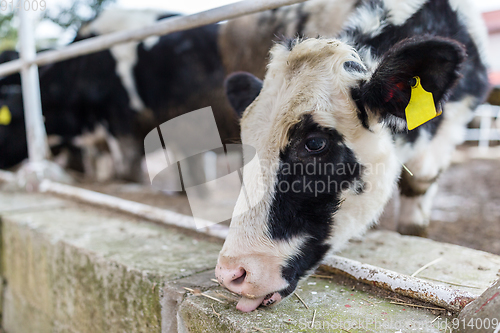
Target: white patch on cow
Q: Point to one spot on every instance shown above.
(368, 20)
(375, 150)
(401, 11)
(116, 154)
(113, 20)
(416, 211)
(116, 19)
(126, 58)
(104, 157)
(150, 42)
(370, 62)
(95, 158)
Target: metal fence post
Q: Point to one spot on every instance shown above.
(35, 128)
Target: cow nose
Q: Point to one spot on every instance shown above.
(232, 279)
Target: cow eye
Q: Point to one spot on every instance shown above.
(316, 145)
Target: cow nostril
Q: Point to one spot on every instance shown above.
(239, 278)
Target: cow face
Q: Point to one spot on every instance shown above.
(13, 146)
(321, 125)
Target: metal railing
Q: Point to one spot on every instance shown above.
(489, 129)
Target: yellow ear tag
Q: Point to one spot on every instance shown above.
(421, 107)
(5, 116)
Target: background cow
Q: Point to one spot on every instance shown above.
(113, 98)
(338, 106)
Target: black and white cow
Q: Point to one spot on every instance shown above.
(77, 95)
(117, 96)
(328, 125)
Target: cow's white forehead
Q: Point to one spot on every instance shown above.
(309, 79)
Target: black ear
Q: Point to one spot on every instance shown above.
(241, 90)
(435, 60)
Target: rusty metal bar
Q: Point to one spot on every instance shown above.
(445, 297)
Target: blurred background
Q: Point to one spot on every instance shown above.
(62, 18)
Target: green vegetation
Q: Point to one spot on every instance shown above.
(8, 33)
(68, 17)
(79, 11)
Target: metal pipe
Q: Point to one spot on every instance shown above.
(445, 297)
(35, 128)
(163, 27)
(163, 216)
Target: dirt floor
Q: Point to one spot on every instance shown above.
(466, 210)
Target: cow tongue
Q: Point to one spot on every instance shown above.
(249, 304)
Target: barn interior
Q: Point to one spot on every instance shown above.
(96, 237)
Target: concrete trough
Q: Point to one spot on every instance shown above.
(73, 267)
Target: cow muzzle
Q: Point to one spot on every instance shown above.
(257, 278)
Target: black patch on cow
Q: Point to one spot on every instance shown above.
(302, 18)
(241, 90)
(289, 43)
(176, 67)
(7, 56)
(13, 145)
(166, 16)
(434, 18)
(307, 192)
(354, 66)
(435, 60)
(310, 254)
(430, 127)
(361, 112)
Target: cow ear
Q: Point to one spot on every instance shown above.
(241, 90)
(435, 60)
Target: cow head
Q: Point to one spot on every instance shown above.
(321, 126)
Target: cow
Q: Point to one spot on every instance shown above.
(329, 127)
(77, 95)
(113, 98)
(170, 75)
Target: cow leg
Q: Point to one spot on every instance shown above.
(415, 205)
(432, 155)
(127, 155)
